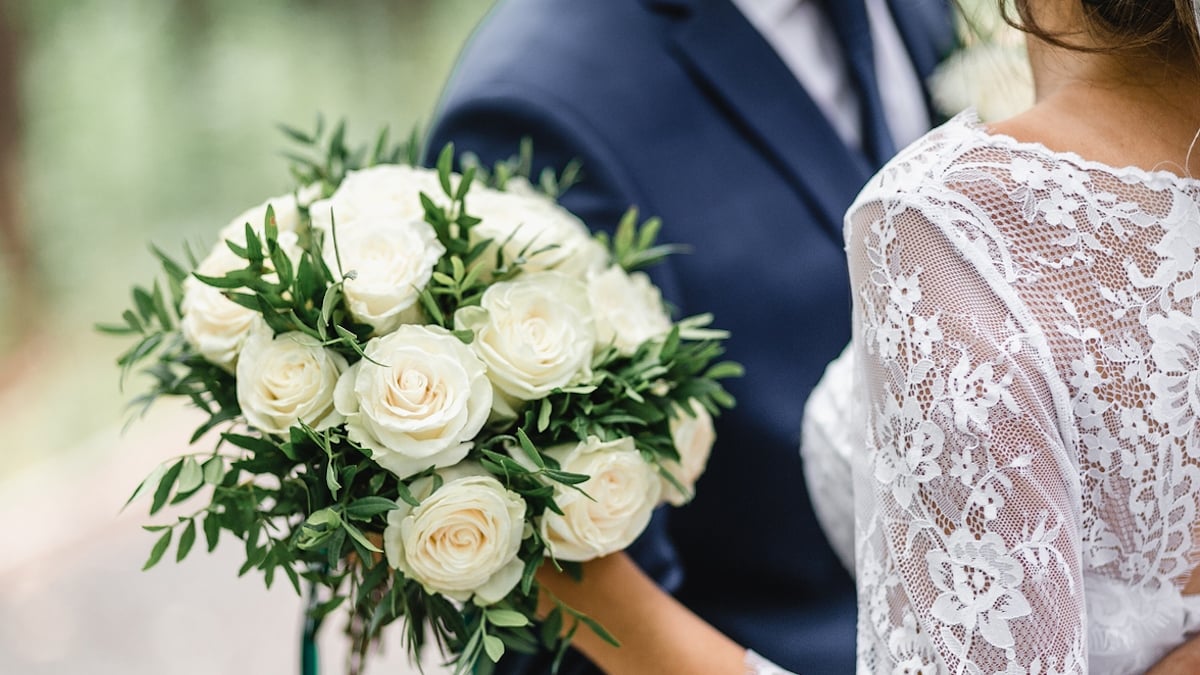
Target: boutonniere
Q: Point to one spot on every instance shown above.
(989, 71)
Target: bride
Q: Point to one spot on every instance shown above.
(1019, 412)
(1020, 406)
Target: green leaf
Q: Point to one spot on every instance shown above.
(358, 536)
(186, 540)
(295, 134)
(352, 340)
(134, 323)
(160, 307)
(333, 296)
(529, 449)
(565, 477)
(543, 420)
(494, 647)
(431, 306)
(153, 479)
(258, 446)
(599, 630)
(552, 627)
(230, 281)
(293, 578)
(331, 477)
(324, 517)
(214, 471)
(114, 329)
(336, 542)
(173, 269)
(725, 369)
(507, 618)
(191, 475)
(145, 304)
(164, 487)
(160, 547)
(406, 496)
(562, 648)
(212, 531)
(368, 507)
(445, 163)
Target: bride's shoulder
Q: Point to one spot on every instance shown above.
(959, 150)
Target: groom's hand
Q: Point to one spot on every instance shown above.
(1183, 660)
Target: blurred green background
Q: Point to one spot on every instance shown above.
(124, 122)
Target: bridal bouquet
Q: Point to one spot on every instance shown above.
(419, 387)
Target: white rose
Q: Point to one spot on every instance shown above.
(386, 191)
(463, 539)
(422, 407)
(288, 379)
(623, 491)
(995, 79)
(531, 225)
(212, 324)
(627, 308)
(535, 333)
(387, 262)
(287, 220)
(693, 436)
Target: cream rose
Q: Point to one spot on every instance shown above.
(523, 221)
(623, 491)
(535, 333)
(387, 191)
(288, 379)
(993, 78)
(627, 308)
(463, 540)
(212, 324)
(693, 436)
(387, 262)
(417, 401)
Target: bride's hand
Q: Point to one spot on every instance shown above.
(1183, 660)
(657, 634)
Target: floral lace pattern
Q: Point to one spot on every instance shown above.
(1027, 347)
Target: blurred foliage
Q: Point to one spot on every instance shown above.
(154, 120)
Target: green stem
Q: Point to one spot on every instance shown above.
(309, 663)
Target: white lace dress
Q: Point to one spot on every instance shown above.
(1022, 414)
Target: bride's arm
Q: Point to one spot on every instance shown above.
(1183, 660)
(969, 516)
(657, 633)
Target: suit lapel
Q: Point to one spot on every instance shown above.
(754, 86)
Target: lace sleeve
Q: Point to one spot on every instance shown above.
(967, 502)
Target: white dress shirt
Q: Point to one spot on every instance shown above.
(801, 34)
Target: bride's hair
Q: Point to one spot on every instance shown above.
(1123, 25)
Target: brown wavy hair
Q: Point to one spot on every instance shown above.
(1163, 26)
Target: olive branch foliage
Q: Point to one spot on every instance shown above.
(310, 506)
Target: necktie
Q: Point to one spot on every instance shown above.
(853, 28)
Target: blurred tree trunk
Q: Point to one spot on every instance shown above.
(15, 253)
(20, 315)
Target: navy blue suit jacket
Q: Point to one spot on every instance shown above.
(680, 108)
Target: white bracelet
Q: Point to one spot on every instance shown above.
(757, 665)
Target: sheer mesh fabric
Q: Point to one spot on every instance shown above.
(1027, 378)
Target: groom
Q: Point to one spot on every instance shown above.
(748, 126)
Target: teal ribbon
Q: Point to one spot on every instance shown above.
(309, 664)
